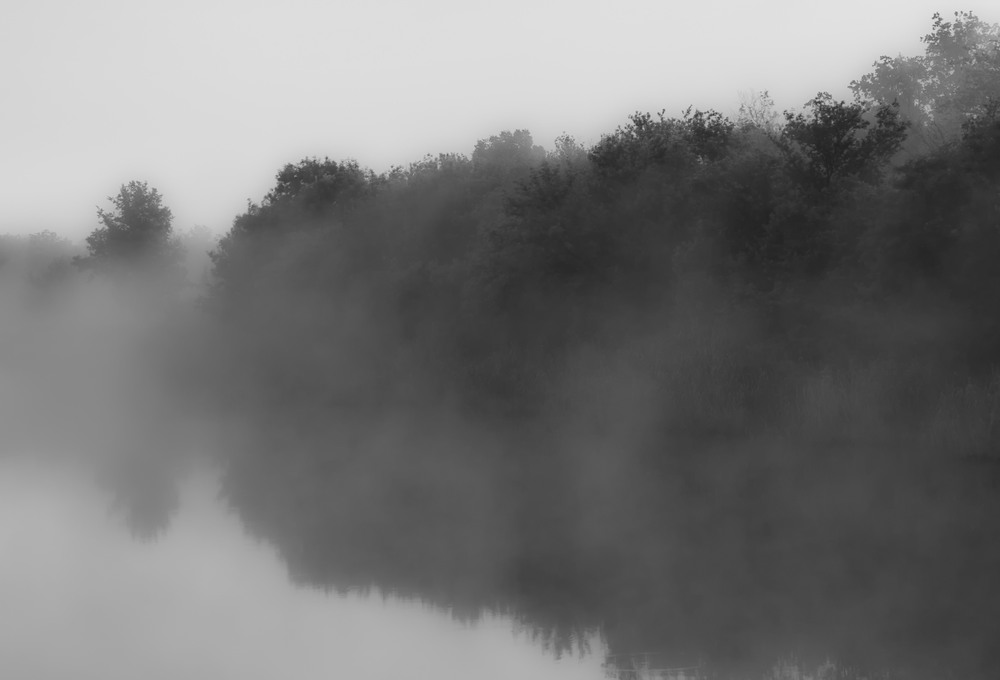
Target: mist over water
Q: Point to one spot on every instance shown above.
(709, 394)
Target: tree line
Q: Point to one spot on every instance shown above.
(476, 277)
(541, 377)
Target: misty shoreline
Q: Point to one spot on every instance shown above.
(728, 386)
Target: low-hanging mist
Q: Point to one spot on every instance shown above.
(723, 389)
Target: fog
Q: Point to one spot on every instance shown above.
(712, 392)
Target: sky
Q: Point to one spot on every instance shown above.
(206, 100)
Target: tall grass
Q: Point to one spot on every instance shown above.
(792, 669)
(787, 668)
(839, 405)
(967, 418)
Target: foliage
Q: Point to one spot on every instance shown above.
(309, 199)
(505, 154)
(136, 234)
(837, 140)
(40, 257)
(957, 77)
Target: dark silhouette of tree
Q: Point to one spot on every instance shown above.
(835, 140)
(136, 234)
(319, 187)
(308, 211)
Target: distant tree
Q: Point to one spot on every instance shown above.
(507, 155)
(312, 207)
(836, 139)
(944, 226)
(34, 253)
(50, 258)
(937, 93)
(319, 187)
(195, 245)
(757, 112)
(645, 142)
(748, 188)
(568, 153)
(708, 133)
(136, 234)
(41, 259)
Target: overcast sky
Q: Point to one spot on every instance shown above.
(207, 99)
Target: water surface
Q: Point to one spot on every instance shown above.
(80, 598)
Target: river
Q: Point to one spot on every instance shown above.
(80, 598)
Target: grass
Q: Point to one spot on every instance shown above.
(787, 668)
(791, 668)
(967, 418)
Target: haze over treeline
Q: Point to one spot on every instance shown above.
(726, 387)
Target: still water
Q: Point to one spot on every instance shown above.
(81, 599)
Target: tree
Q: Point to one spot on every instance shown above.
(319, 188)
(937, 93)
(507, 155)
(837, 139)
(137, 232)
(311, 218)
(757, 113)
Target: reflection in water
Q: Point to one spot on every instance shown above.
(737, 567)
(734, 555)
(80, 599)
